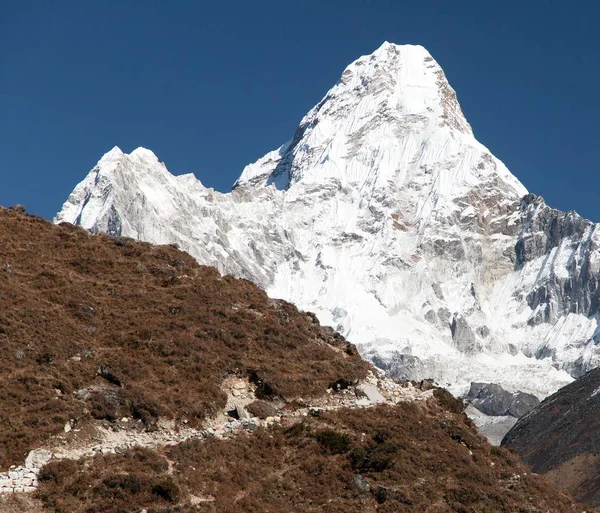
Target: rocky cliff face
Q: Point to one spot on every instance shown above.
(387, 218)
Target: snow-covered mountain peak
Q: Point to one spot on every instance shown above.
(144, 154)
(388, 219)
(117, 155)
(110, 156)
(410, 80)
(390, 119)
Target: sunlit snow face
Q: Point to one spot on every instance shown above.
(387, 218)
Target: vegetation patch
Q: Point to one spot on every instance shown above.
(97, 327)
(383, 459)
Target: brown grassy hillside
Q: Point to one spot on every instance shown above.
(412, 457)
(144, 329)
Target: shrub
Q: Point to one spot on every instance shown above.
(333, 442)
(448, 402)
(57, 471)
(261, 409)
(167, 490)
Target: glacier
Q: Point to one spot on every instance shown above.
(388, 219)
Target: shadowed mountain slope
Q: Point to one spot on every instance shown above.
(561, 438)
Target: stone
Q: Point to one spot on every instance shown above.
(492, 399)
(242, 412)
(361, 483)
(371, 392)
(82, 394)
(235, 393)
(239, 386)
(400, 366)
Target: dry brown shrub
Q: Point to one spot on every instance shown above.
(261, 409)
(20, 503)
(386, 459)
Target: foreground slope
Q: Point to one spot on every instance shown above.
(129, 337)
(93, 327)
(412, 457)
(560, 438)
(387, 218)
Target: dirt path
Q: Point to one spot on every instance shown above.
(126, 433)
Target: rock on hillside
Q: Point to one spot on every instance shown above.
(560, 438)
(493, 400)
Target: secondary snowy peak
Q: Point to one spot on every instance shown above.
(388, 219)
(123, 190)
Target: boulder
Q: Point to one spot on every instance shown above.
(371, 392)
(492, 399)
(242, 412)
(37, 458)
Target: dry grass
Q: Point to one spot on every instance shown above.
(20, 503)
(406, 458)
(144, 328)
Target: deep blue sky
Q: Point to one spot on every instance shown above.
(212, 86)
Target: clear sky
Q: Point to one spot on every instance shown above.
(212, 86)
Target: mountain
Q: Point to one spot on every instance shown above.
(388, 219)
(139, 380)
(559, 438)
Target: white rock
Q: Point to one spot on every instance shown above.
(37, 458)
(242, 413)
(371, 392)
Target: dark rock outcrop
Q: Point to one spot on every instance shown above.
(492, 399)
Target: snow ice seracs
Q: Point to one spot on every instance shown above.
(386, 217)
